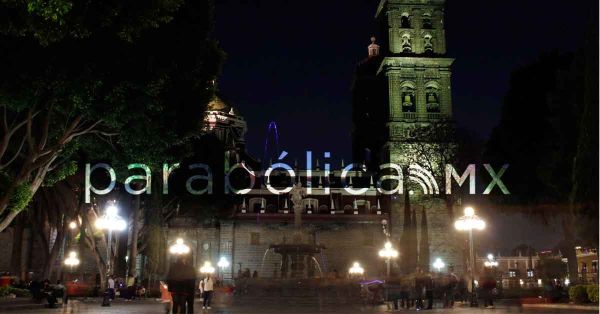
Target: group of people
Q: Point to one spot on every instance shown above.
(413, 290)
(181, 286)
(52, 293)
(128, 290)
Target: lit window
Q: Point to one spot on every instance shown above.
(408, 99)
(432, 99)
(512, 273)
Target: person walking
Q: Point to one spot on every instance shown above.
(488, 284)
(181, 282)
(419, 288)
(392, 291)
(111, 287)
(428, 285)
(405, 288)
(450, 284)
(207, 289)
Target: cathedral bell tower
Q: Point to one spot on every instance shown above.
(402, 108)
(416, 69)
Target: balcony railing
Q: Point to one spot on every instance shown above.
(422, 116)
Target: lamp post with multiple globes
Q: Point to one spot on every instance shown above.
(388, 252)
(356, 270)
(439, 264)
(470, 222)
(110, 221)
(179, 248)
(207, 268)
(72, 260)
(223, 263)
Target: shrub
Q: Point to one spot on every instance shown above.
(20, 293)
(592, 293)
(578, 294)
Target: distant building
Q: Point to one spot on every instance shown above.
(513, 270)
(587, 264)
(222, 120)
(401, 105)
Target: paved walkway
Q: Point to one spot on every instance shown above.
(150, 306)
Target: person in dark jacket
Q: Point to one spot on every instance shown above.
(393, 287)
(488, 284)
(181, 282)
(428, 283)
(420, 282)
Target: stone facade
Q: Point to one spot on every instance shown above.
(246, 244)
(414, 75)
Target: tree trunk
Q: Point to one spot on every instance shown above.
(424, 244)
(55, 251)
(134, 236)
(101, 270)
(20, 179)
(405, 238)
(17, 248)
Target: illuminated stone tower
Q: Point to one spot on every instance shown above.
(417, 71)
(401, 97)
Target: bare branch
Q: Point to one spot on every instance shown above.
(10, 132)
(30, 140)
(84, 131)
(45, 129)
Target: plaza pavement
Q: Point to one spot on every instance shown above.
(151, 306)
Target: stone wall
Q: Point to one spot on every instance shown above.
(344, 244)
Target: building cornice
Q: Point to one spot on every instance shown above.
(396, 63)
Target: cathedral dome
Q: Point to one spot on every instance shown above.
(217, 104)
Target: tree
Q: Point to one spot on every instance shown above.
(551, 268)
(545, 134)
(104, 79)
(432, 146)
(52, 209)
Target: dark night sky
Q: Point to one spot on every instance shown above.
(292, 62)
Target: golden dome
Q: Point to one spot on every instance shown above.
(217, 104)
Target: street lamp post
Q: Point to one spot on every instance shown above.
(222, 264)
(388, 252)
(207, 268)
(468, 222)
(179, 248)
(491, 262)
(110, 222)
(356, 270)
(439, 264)
(72, 260)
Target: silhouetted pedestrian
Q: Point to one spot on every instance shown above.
(181, 282)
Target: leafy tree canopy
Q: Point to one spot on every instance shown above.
(119, 81)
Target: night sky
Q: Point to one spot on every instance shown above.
(293, 62)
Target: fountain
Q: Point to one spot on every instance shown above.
(298, 282)
(297, 257)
